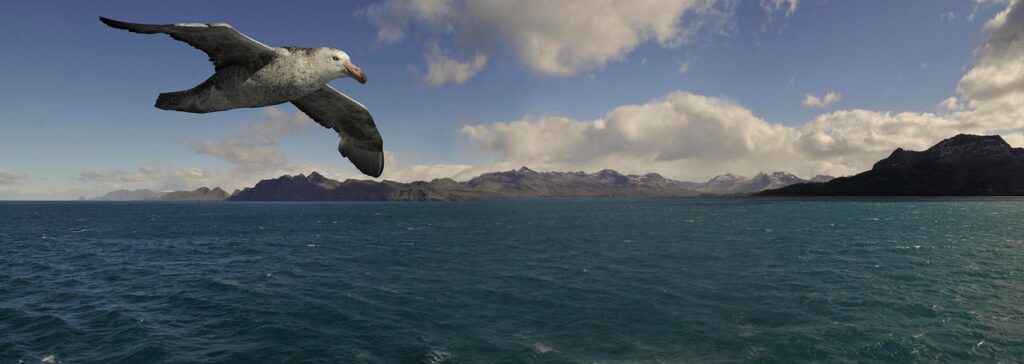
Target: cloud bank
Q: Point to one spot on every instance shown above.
(690, 136)
(550, 38)
(10, 178)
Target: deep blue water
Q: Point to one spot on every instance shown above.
(561, 280)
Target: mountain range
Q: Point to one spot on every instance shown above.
(523, 182)
(520, 183)
(962, 165)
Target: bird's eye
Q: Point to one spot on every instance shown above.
(336, 58)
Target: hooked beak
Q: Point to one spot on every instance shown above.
(355, 72)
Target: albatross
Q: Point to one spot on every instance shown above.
(249, 74)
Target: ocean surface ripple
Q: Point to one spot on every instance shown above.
(547, 280)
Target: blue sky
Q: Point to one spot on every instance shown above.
(78, 95)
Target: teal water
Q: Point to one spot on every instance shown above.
(561, 280)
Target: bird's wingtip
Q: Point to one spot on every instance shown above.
(113, 23)
(369, 162)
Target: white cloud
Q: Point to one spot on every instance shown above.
(1015, 139)
(276, 124)
(979, 3)
(950, 104)
(858, 138)
(243, 154)
(397, 170)
(772, 7)
(994, 87)
(115, 176)
(557, 38)
(786, 6)
(441, 69)
(252, 149)
(392, 17)
(684, 67)
(9, 178)
(682, 135)
(948, 16)
(154, 178)
(815, 101)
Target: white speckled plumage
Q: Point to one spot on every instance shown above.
(289, 75)
(250, 74)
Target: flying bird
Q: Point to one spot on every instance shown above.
(251, 74)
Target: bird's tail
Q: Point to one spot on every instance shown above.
(179, 101)
(170, 100)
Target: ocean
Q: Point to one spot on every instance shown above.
(592, 280)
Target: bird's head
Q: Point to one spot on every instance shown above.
(341, 65)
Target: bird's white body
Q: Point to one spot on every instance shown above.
(294, 73)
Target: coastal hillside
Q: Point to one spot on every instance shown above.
(964, 165)
(199, 194)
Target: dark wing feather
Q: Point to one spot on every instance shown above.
(361, 142)
(224, 44)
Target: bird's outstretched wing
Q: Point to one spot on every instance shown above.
(360, 140)
(224, 44)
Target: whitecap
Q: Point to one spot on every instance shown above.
(51, 359)
(437, 357)
(541, 348)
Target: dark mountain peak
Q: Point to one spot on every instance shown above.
(783, 174)
(969, 146)
(316, 176)
(524, 170)
(972, 140)
(726, 177)
(608, 173)
(963, 149)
